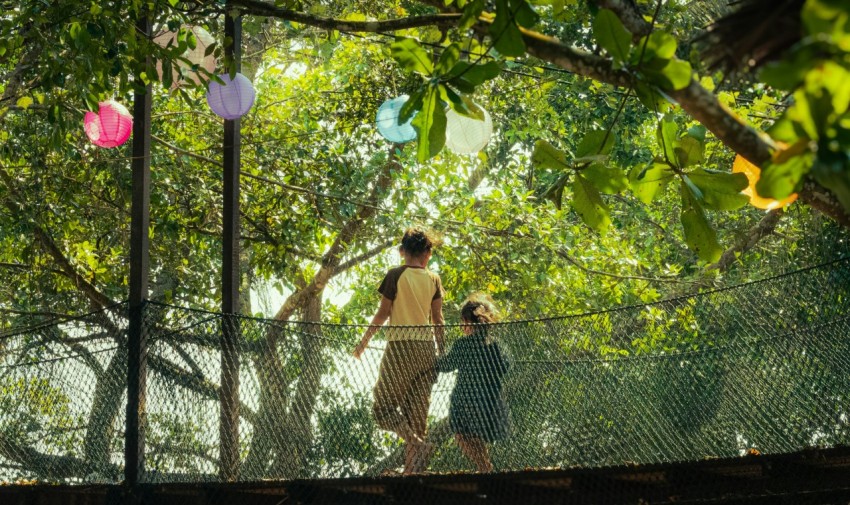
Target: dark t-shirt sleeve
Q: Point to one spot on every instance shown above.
(389, 286)
(439, 293)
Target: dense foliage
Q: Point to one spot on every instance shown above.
(608, 180)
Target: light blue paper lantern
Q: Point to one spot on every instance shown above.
(387, 121)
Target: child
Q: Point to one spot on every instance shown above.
(477, 412)
(412, 296)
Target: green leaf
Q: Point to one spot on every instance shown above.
(448, 59)
(92, 102)
(699, 235)
(649, 182)
(595, 142)
(24, 102)
(667, 136)
(695, 191)
(612, 35)
(507, 39)
(466, 76)
(832, 166)
(546, 155)
(789, 72)
(454, 100)
(676, 74)
(689, 151)
(837, 181)
(555, 192)
(720, 190)
(698, 132)
(191, 40)
(411, 106)
(588, 203)
(167, 76)
(471, 109)
(607, 179)
(651, 98)
(658, 46)
(470, 14)
(523, 13)
(821, 16)
(430, 124)
(783, 175)
(783, 130)
(411, 56)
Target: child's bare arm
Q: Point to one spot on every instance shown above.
(380, 318)
(439, 330)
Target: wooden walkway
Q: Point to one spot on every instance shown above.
(813, 477)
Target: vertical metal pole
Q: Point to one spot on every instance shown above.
(229, 410)
(134, 443)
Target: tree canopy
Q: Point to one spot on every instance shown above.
(608, 179)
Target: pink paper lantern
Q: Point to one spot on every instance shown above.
(111, 126)
(234, 99)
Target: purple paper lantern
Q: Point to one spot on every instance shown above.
(232, 100)
(111, 126)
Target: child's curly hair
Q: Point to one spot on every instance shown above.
(417, 241)
(479, 308)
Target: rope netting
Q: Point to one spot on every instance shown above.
(762, 367)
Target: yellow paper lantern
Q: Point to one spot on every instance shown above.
(742, 165)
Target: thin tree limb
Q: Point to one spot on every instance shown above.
(259, 8)
(764, 228)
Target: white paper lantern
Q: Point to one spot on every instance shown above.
(232, 100)
(465, 135)
(196, 56)
(387, 121)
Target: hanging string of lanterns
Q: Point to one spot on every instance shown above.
(464, 135)
(112, 125)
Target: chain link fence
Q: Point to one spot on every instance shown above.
(762, 368)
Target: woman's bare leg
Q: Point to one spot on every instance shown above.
(476, 450)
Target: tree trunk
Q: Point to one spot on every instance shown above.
(105, 408)
(291, 455)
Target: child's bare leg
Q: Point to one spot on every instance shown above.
(416, 449)
(476, 450)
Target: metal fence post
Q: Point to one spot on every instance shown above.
(229, 406)
(134, 439)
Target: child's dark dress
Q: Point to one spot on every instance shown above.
(476, 406)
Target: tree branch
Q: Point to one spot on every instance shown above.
(694, 99)
(48, 466)
(194, 383)
(259, 8)
(563, 254)
(283, 185)
(332, 257)
(99, 299)
(363, 257)
(764, 228)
